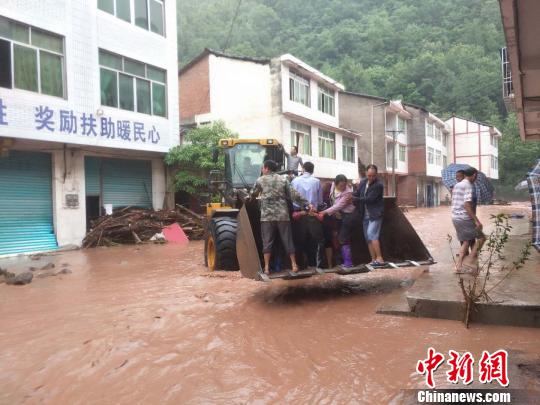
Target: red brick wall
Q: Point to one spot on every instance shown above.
(417, 160)
(407, 190)
(194, 90)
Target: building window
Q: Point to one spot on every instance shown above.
(445, 161)
(402, 125)
(437, 133)
(132, 85)
(429, 129)
(494, 141)
(147, 14)
(299, 89)
(327, 144)
(348, 148)
(402, 153)
(327, 101)
(301, 137)
(445, 140)
(494, 163)
(430, 155)
(31, 59)
(438, 158)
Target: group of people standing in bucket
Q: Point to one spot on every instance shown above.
(322, 223)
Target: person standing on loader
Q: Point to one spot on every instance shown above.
(293, 160)
(309, 230)
(370, 203)
(346, 215)
(276, 192)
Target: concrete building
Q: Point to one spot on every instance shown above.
(521, 75)
(384, 125)
(476, 144)
(405, 141)
(282, 98)
(429, 154)
(88, 107)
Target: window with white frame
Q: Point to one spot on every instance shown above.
(147, 14)
(402, 125)
(494, 141)
(430, 155)
(445, 161)
(438, 158)
(445, 140)
(348, 147)
(301, 137)
(327, 144)
(429, 129)
(437, 134)
(299, 89)
(132, 85)
(327, 102)
(402, 153)
(494, 163)
(31, 59)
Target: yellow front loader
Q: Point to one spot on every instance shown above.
(233, 238)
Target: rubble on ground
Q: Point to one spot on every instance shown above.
(21, 276)
(17, 276)
(130, 226)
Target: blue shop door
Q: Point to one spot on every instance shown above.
(26, 214)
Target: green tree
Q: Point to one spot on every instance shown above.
(194, 160)
(441, 54)
(516, 157)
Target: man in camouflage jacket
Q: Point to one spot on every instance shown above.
(275, 193)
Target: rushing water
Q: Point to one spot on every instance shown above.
(150, 325)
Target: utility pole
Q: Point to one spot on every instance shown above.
(394, 141)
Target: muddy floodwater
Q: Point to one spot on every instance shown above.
(149, 324)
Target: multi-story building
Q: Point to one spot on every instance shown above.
(281, 98)
(476, 144)
(521, 76)
(429, 154)
(384, 125)
(406, 142)
(88, 107)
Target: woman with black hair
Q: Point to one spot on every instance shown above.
(343, 211)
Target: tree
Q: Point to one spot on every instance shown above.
(515, 157)
(194, 160)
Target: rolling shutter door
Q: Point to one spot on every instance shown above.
(26, 219)
(122, 182)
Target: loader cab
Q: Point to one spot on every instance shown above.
(244, 160)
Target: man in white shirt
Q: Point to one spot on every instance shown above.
(468, 226)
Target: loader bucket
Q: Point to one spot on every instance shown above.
(399, 241)
(248, 241)
(401, 246)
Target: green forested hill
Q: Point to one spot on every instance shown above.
(442, 54)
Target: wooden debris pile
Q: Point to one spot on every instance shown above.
(130, 225)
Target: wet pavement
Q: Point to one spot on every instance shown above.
(512, 299)
(149, 324)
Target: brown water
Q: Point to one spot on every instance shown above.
(149, 325)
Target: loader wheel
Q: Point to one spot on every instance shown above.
(220, 246)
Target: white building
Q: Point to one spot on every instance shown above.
(88, 107)
(283, 98)
(476, 144)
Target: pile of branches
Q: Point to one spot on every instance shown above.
(128, 226)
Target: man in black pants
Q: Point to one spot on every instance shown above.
(308, 229)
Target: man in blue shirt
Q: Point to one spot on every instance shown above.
(308, 229)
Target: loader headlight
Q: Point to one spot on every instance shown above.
(224, 143)
(270, 141)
